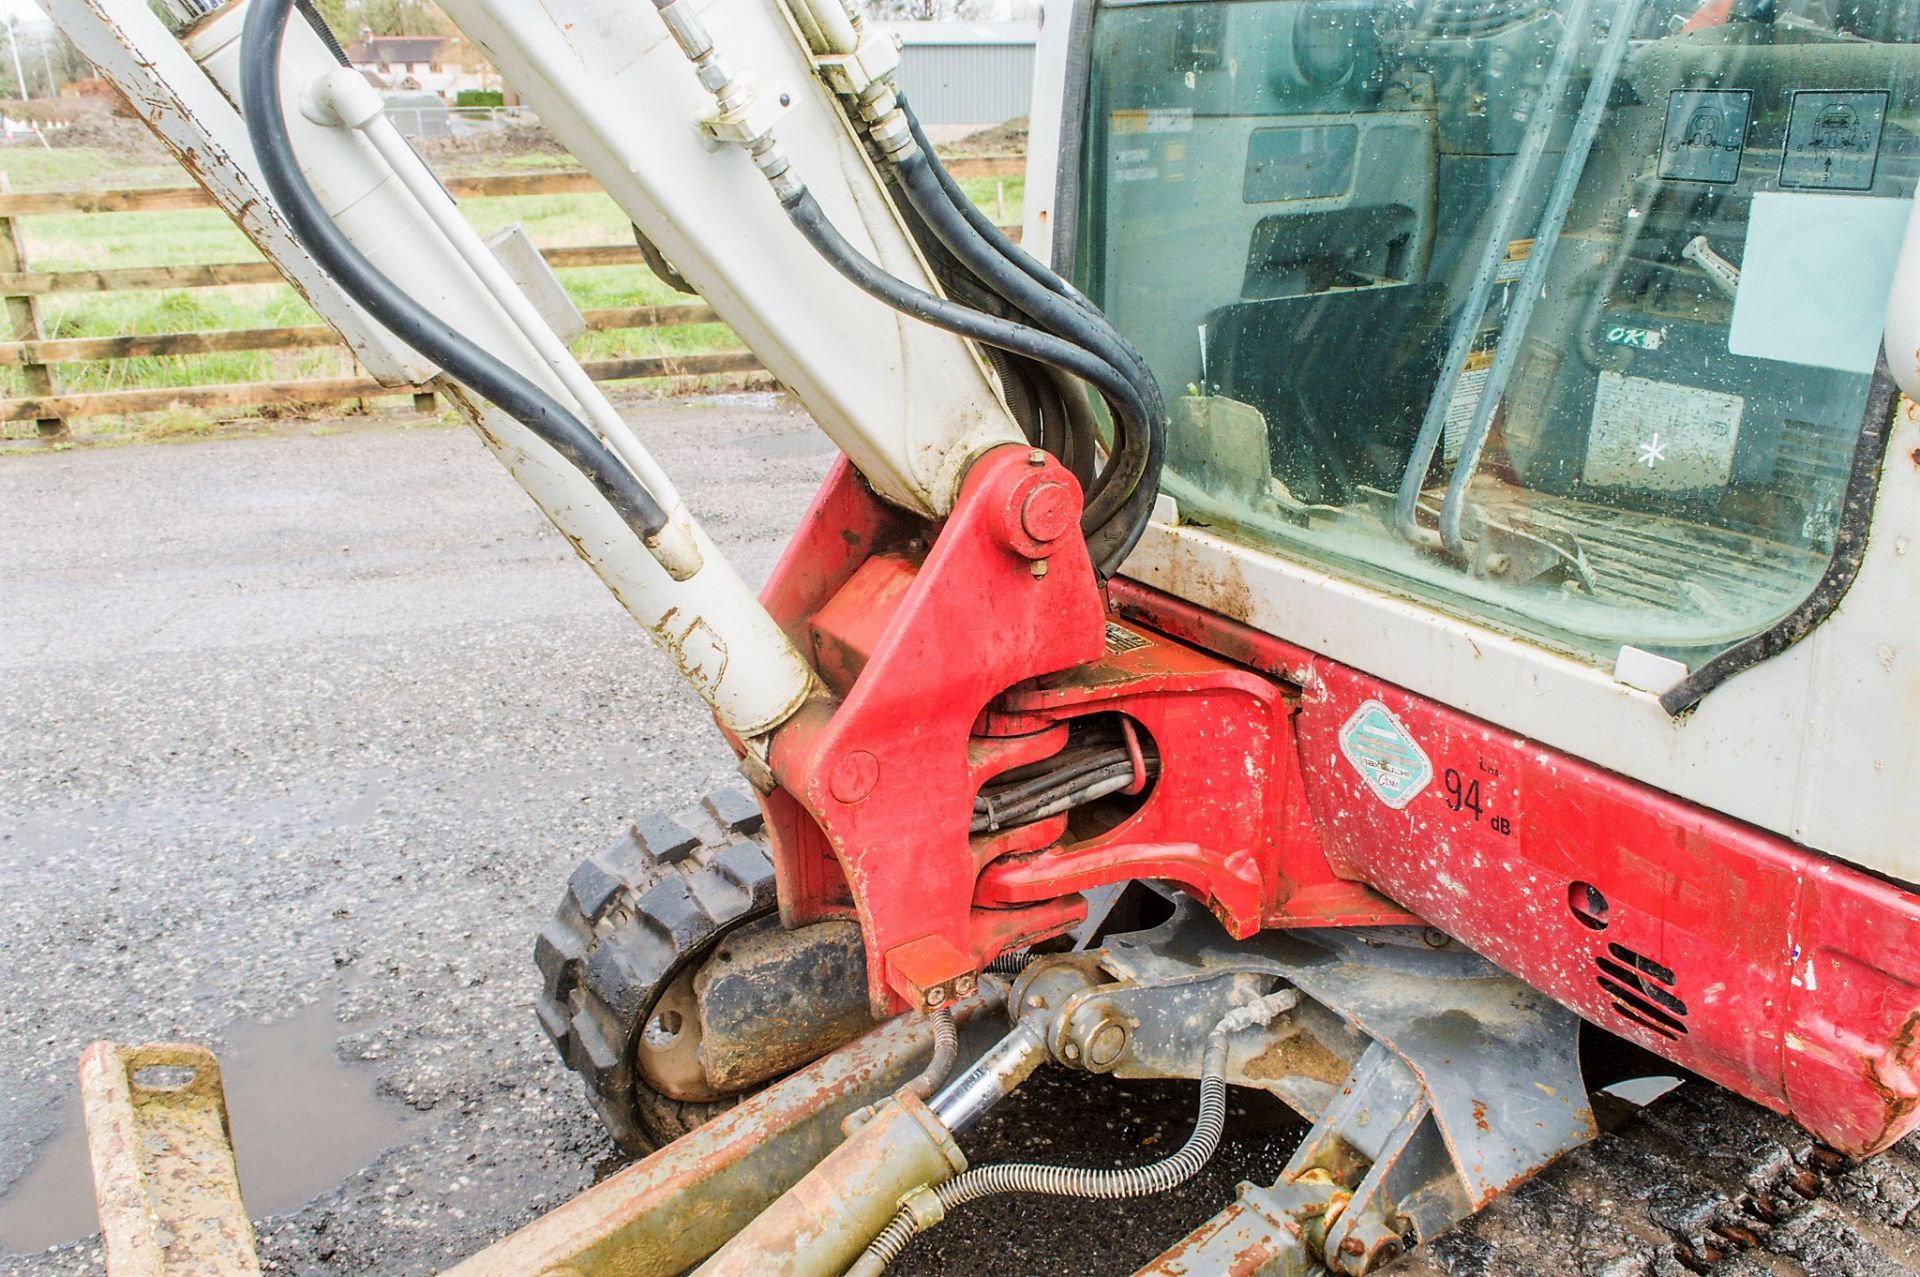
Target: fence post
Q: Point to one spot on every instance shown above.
(23, 321)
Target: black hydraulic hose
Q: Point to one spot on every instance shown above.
(1052, 302)
(972, 238)
(1076, 792)
(812, 223)
(1050, 279)
(1047, 277)
(1138, 511)
(1069, 767)
(407, 319)
(317, 20)
(1135, 419)
(1051, 406)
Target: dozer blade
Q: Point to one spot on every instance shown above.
(169, 1198)
(163, 1170)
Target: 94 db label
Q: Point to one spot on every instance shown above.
(1462, 794)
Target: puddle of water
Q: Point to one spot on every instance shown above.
(302, 1122)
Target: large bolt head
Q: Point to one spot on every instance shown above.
(853, 776)
(1036, 509)
(1107, 1045)
(1050, 512)
(1097, 1037)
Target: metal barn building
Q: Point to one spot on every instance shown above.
(978, 73)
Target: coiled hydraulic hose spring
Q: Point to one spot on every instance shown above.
(1068, 1181)
(1012, 962)
(946, 1048)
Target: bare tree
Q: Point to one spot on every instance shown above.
(928, 10)
(386, 17)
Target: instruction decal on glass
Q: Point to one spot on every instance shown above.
(1706, 135)
(1657, 436)
(1833, 141)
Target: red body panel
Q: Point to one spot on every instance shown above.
(1799, 976)
(1779, 973)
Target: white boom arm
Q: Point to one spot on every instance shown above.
(910, 405)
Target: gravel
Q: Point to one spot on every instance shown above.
(303, 735)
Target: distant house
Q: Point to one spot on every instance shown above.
(435, 64)
(967, 73)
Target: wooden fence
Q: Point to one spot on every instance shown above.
(38, 357)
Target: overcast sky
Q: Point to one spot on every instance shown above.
(25, 10)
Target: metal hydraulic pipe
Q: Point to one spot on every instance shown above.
(993, 1077)
(1533, 283)
(919, 1212)
(899, 1149)
(828, 25)
(1506, 219)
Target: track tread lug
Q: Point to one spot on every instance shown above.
(622, 983)
(665, 839)
(594, 888)
(631, 916)
(746, 865)
(670, 908)
(555, 1025)
(555, 951)
(736, 811)
(1700, 1182)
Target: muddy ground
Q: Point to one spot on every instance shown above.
(302, 735)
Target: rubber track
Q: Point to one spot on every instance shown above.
(632, 917)
(1699, 1182)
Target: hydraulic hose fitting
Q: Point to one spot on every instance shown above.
(1071, 1181)
(893, 135)
(993, 1077)
(742, 114)
(690, 34)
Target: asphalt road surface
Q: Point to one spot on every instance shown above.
(302, 736)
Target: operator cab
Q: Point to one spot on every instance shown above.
(1659, 255)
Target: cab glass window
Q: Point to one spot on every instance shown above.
(1561, 314)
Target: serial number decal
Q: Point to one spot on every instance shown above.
(1385, 754)
(1121, 639)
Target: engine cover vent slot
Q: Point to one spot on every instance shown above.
(1642, 990)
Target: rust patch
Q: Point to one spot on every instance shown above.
(1298, 1055)
(1480, 1115)
(165, 1182)
(1898, 1106)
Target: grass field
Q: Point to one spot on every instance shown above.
(112, 240)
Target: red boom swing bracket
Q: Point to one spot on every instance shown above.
(952, 662)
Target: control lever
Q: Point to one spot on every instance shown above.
(1724, 274)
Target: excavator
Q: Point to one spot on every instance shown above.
(1397, 590)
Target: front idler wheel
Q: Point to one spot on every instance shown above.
(668, 984)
